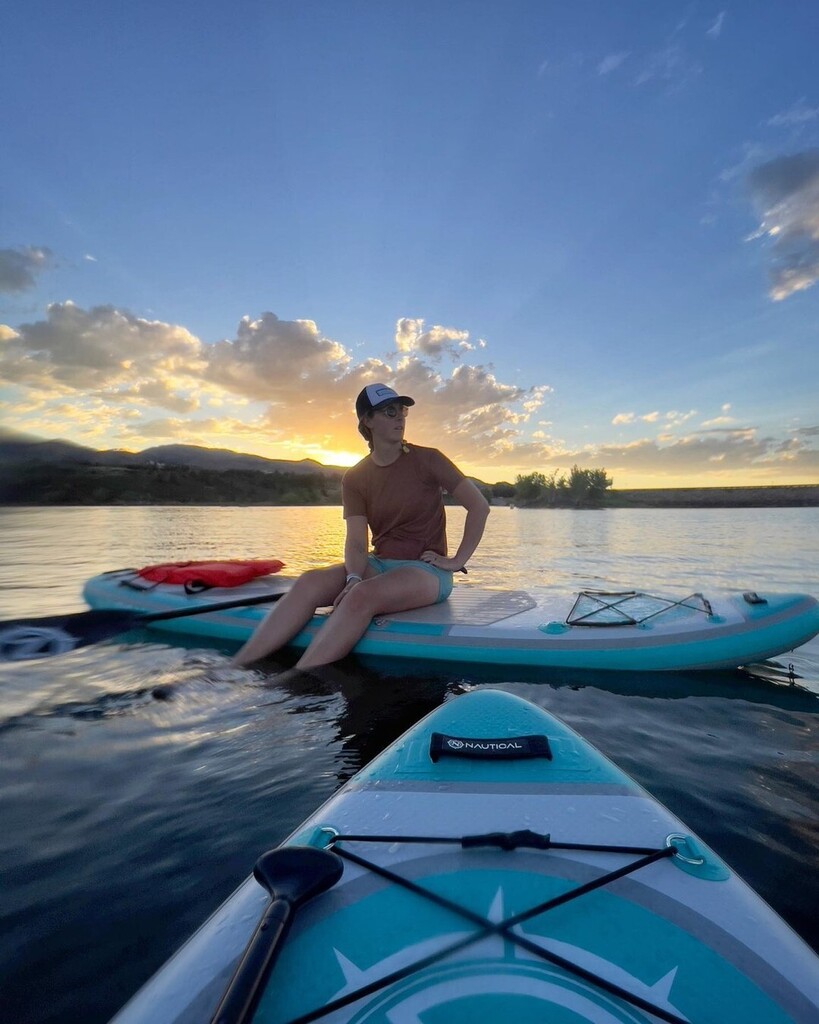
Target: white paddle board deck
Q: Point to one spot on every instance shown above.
(623, 632)
(582, 899)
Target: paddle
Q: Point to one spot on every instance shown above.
(293, 876)
(21, 639)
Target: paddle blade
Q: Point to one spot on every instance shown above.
(297, 873)
(24, 639)
(293, 875)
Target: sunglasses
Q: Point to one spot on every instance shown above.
(394, 411)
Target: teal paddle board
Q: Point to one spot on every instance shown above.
(628, 631)
(489, 866)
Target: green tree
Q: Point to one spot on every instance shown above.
(583, 487)
(529, 488)
(587, 486)
(502, 489)
(599, 483)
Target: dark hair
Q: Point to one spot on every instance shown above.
(365, 431)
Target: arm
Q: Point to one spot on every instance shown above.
(477, 509)
(355, 552)
(355, 545)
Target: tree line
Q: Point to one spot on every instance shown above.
(86, 484)
(582, 488)
(79, 484)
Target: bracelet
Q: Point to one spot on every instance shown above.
(353, 576)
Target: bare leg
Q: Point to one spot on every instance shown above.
(314, 589)
(395, 591)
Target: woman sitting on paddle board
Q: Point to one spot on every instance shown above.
(396, 494)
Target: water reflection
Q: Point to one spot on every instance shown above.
(118, 807)
(372, 708)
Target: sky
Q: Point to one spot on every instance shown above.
(575, 233)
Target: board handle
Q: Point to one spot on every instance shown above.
(505, 748)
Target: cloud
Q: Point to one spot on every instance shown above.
(752, 154)
(698, 455)
(286, 381)
(785, 192)
(195, 432)
(19, 267)
(612, 62)
(723, 420)
(716, 28)
(285, 390)
(406, 331)
(676, 419)
(162, 392)
(673, 418)
(668, 64)
(699, 459)
(537, 398)
(277, 360)
(77, 349)
(798, 114)
(478, 415)
(671, 66)
(435, 342)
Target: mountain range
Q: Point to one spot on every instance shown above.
(17, 449)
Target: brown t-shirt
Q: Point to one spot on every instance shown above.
(402, 501)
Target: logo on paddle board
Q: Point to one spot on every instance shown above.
(495, 969)
(19, 643)
(486, 746)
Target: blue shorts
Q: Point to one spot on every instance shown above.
(443, 576)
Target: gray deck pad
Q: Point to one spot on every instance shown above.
(468, 607)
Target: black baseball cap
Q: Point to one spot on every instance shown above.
(374, 396)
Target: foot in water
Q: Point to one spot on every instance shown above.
(209, 665)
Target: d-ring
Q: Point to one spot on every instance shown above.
(678, 841)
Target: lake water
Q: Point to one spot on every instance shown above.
(124, 820)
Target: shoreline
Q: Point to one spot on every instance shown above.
(773, 496)
(61, 485)
(770, 496)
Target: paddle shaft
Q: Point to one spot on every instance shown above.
(240, 999)
(220, 606)
(23, 639)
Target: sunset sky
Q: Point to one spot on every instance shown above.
(574, 232)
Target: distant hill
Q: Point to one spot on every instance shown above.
(221, 459)
(22, 449)
(36, 471)
(18, 448)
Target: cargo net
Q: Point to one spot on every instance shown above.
(509, 927)
(602, 608)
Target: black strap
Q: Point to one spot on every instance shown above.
(505, 840)
(486, 928)
(505, 748)
(197, 586)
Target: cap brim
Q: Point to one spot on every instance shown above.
(401, 399)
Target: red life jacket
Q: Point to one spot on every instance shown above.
(203, 575)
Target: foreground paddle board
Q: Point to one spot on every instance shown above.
(679, 938)
(623, 632)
